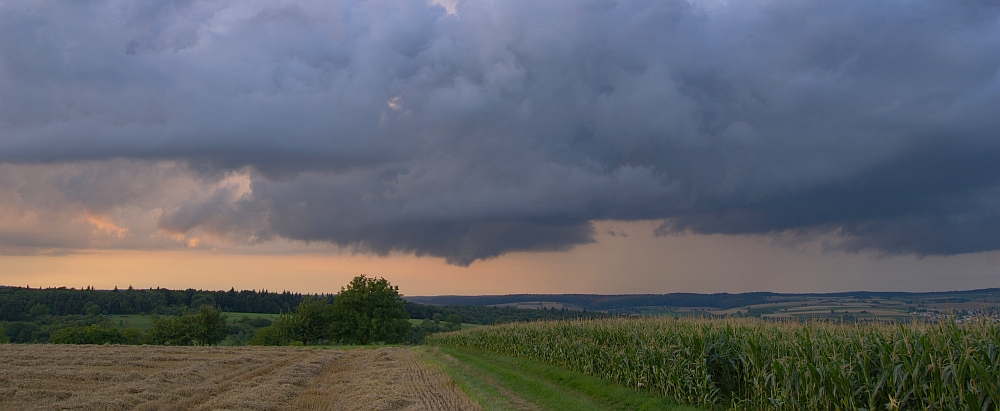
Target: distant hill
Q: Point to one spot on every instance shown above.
(718, 300)
(604, 302)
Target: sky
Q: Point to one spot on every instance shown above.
(501, 146)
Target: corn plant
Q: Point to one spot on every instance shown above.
(753, 364)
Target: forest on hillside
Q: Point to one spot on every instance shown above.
(34, 315)
(22, 303)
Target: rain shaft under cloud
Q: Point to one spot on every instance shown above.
(506, 125)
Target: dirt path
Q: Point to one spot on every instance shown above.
(212, 378)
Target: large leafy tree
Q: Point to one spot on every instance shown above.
(369, 310)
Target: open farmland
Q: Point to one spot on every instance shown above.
(540, 305)
(846, 306)
(767, 365)
(112, 377)
(903, 307)
(816, 307)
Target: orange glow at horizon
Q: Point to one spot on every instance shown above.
(636, 262)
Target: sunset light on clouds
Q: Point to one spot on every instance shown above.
(501, 146)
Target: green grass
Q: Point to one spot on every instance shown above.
(142, 322)
(499, 382)
(465, 326)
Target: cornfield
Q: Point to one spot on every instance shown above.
(752, 364)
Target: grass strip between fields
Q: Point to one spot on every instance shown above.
(499, 382)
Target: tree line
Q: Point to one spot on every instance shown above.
(206, 327)
(368, 310)
(25, 304)
(66, 315)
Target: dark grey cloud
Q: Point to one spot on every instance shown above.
(395, 126)
(933, 200)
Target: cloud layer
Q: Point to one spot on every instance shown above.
(394, 125)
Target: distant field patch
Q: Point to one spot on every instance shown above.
(465, 326)
(540, 305)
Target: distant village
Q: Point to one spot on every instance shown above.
(960, 316)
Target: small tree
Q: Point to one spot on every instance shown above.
(210, 326)
(278, 333)
(311, 321)
(453, 322)
(369, 310)
(170, 331)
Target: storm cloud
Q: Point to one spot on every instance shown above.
(496, 126)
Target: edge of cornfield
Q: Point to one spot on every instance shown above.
(499, 382)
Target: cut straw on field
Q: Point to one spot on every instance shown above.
(120, 377)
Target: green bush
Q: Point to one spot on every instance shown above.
(308, 324)
(244, 328)
(96, 334)
(278, 333)
(207, 327)
(368, 310)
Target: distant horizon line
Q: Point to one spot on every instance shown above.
(406, 297)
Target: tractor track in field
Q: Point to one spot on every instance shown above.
(383, 379)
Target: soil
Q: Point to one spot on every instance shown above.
(109, 377)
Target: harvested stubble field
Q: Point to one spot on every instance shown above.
(201, 378)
